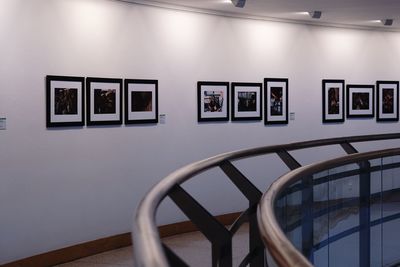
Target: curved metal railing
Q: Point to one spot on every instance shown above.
(148, 248)
(284, 252)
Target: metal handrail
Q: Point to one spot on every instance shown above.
(281, 249)
(148, 249)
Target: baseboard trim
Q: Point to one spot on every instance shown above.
(90, 248)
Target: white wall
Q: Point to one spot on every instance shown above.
(66, 186)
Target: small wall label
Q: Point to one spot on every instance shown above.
(2, 123)
(163, 118)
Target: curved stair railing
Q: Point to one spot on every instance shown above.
(357, 228)
(149, 251)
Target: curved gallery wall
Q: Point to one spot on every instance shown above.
(66, 186)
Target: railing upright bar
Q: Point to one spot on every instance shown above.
(253, 194)
(214, 231)
(349, 148)
(288, 159)
(248, 189)
(173, 259)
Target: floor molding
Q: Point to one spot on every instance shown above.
(90, 248)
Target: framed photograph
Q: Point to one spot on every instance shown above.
(64, 101)
(141, 101)
(387, 104)
(104, 101)
(212, 101)
(360, 100)
(332, 100)
(246, 101)
(276, 104)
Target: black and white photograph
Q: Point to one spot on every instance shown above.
(360, 100)
(246, 101)
(276, 100)
(332, 100)
(212, 101)
(387, 101)
(64, 101)
(141, 101)
(104, 101)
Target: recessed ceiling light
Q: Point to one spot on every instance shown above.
(315, 14)
(387, 22)
(239, 3)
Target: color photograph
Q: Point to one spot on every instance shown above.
(246, 101)
(104, 101)
(333, 104)
(212, 101)
(387, 101)
(64, 101)
(276, 101)
(360, 100)
(141, 101)
(332, 101)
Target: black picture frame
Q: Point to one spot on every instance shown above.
(387, 101)
(65, 96)
(360, 100)
(103, 101)
(333, 100)
(212, 101)
(276, 100)
(141, 101)
(246, 101)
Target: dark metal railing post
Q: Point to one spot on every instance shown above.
(256, 244)
(252, 193)
(365, 215)
(214, 231)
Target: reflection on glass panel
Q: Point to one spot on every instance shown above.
(338, 235)
(293, 218)
(320, 207)
(343, 200)
(376, 213)
(344, 252)
(321, 257)
(376, 255)
(390, 210)
(390, 242)
(280, 211)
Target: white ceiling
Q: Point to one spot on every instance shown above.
(353, 13)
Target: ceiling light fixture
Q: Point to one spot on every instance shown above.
(387, 22)
(239, 3)
(315, 14)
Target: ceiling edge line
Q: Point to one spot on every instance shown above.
(253, 17)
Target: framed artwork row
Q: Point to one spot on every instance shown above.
(213, 101)
(360, 100)
(65, 101)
